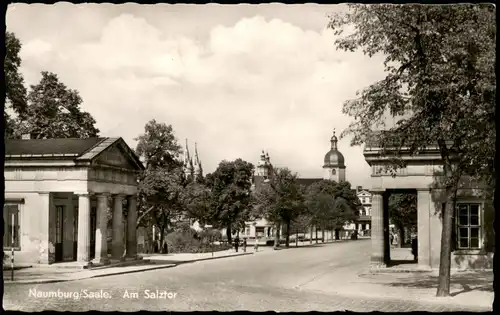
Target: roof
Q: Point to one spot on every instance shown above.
(391, 139)
(308, 181)
(52, 147)
(78, 150)
(334, 158)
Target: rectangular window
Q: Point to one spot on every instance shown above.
(10, 209)
(468, 229)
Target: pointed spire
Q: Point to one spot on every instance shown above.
(197, 162)
(334, 140)
(188, 161)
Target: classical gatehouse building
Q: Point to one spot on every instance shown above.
(61, 192)
(473, 238)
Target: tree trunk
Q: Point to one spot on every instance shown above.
(322, 235)
(287, 239)
(228, 234)
(331, 235)
(311, 235)
(297, 238)
(401, 237)
(277, 236)
(337, 234)
(162, 236)
(445, 257)
(316, 233)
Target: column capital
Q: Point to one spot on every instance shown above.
(119, 196)
(132, 196)
(377, 191)
(82, 193)
(423, 189)
(102, 195)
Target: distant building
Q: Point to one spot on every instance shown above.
(334, 169)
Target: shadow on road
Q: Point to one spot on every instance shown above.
(473, 281)
(292, 245)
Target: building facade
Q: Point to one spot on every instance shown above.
(58, 194)
(472, 239)
(333, 169)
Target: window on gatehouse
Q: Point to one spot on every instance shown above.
(10, 209)
(468, 226)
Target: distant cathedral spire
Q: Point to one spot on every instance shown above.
(198, 170)
(188, 161)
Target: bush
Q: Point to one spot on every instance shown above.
(182, 242)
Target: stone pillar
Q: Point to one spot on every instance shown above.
(83, 251)
(118, 229)
(132, 227)
(377, 235)
(44, 228)
(101, 233)
(423, 228)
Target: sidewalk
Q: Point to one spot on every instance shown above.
(42, 274)
(471, 290)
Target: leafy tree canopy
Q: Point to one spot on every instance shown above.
(440, 66)
(54, 112)
(16, 94)
(230, 188)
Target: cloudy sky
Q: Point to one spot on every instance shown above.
(235, 79)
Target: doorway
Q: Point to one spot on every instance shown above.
(59, 234)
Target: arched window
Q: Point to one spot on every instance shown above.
(333, 171)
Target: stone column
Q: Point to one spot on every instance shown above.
(44, 228)
(83, 251)
(132, 227)
(101, 235)
(423, 228)
(118, 229)
(377, 233)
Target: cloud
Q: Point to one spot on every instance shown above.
(255, 84)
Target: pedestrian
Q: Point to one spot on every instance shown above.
(414, 247)
(236, 244)
(244, 245)
(391, 238)
(256, 244)
(396, 239)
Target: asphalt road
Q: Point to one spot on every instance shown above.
(285, 280)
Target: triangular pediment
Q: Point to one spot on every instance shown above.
(116, 156)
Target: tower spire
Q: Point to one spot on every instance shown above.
(197, 163)
(188, 161)
(334, 141)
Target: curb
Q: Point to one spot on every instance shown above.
(182, 262)
(159, 266)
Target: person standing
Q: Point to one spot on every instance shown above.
(244, 245)
(236, 244)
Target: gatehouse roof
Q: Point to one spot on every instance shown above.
(80, 151)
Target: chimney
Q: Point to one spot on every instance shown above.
(26, 136)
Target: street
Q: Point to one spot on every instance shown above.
(297, 279)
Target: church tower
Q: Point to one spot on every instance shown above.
(188, 162)
(197, 168)
(334, 166)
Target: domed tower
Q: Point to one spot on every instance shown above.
(334, 162)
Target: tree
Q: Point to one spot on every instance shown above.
(230, 195)
(158, 146)
(54, 112)
(16, 98)
(280, 201)
(403, 212)
(197, 200)
(161, 184)
(440, 65)
(332, 204)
